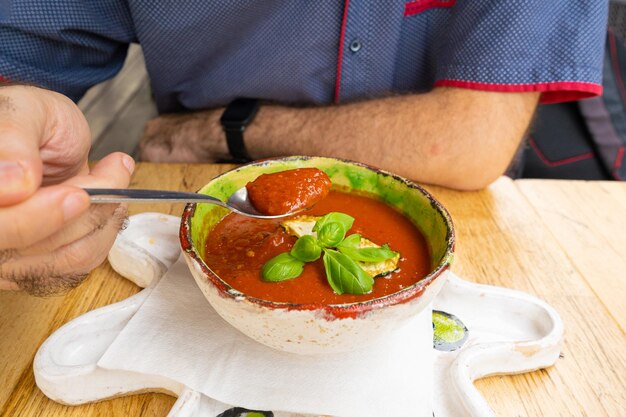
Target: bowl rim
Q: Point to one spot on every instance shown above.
(342, 310)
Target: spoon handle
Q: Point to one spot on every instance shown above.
(114, 195)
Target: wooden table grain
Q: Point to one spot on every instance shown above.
(564, 241)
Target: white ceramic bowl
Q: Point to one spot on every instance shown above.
(314, 328)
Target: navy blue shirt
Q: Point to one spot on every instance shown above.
(204, 53)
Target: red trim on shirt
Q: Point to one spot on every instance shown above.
(340, 56)
(552, 92)
(552, 164)
(618, 162)
(617, 73)
(419, 6)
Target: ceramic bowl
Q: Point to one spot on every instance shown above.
(312, 328)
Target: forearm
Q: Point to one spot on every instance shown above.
(440, 138)
(452, 137)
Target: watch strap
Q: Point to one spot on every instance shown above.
(237, 115)
(236, 145)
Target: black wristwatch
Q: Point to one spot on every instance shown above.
(239, 114)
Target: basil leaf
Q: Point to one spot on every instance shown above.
(306, 249)
(369, 254)
(334, 217)
(350, 247)
(345, 275)
(353, 241)
(331, 234)
(281, 268)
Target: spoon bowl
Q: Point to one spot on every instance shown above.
(238, 202)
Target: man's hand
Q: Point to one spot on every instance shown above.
(187, 137)
(50, 237)
(454, 137)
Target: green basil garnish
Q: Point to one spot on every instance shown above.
(282, 267)
(341, 256)
(331, 234)
(306, 249)
(334, 217)
(354, 240)
(350, 246)
(345, 275)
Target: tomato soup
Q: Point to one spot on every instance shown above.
(288, 191)
(238, 247)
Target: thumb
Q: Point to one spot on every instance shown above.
(20, 163)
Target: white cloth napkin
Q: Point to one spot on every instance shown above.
(177, 334)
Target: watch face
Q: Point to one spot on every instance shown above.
(240, 112)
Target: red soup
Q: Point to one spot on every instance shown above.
(238, 247)
(288, 191)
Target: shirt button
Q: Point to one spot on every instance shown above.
(355, 45)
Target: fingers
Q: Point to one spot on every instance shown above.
(51, 231)
(44, 139)
(94, 219)
(20, 166)
(47, 273)
(19, 179)
(49, 242)
(88, 252)
(20, 163)
(52, 208)
(46, 212)
(66, 142)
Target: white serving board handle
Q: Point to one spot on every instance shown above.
(496, 345)
(65, 365)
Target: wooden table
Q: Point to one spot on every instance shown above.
(564, 241)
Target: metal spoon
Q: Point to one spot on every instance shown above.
(237, 202)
